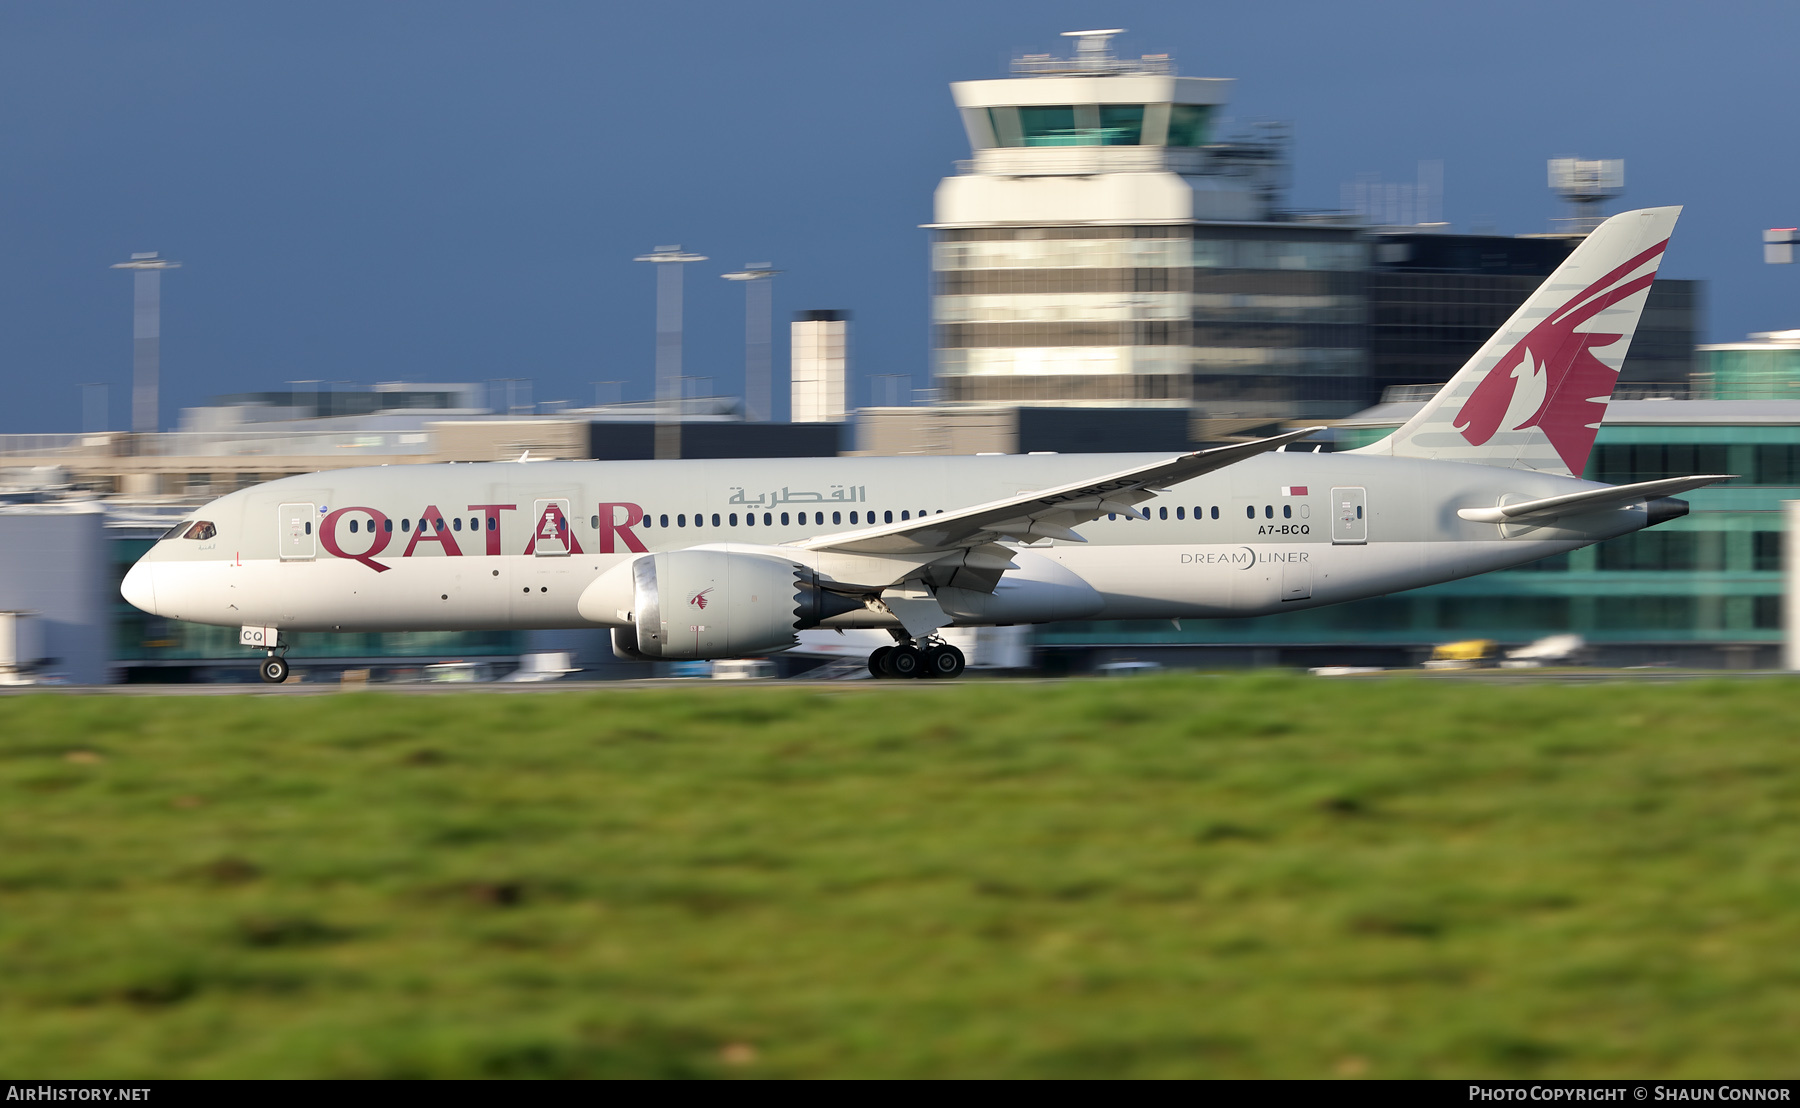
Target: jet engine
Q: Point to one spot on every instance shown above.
(724, 604)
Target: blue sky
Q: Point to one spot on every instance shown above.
(454, 191)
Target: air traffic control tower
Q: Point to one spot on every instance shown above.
(1104, 246)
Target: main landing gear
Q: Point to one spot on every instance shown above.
(908, 659)
(274, 668)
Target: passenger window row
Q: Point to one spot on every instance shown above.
(1287, 512)
(456, 524)
(1181, 512)
(787, 519)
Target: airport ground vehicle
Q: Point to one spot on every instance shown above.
(708, 559)
(1466, 654)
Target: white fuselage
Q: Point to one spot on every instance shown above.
(506, 545)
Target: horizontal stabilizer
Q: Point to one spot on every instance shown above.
(1593, 500)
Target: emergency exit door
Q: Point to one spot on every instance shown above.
(1349, 511)
(294, 531)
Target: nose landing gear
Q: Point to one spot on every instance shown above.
(274, 669)
(909, 659)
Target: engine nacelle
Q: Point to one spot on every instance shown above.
(724, 604)
(624, 644)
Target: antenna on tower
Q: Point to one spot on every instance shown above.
(1093, 46)
(1093, 58)
(1587, 186)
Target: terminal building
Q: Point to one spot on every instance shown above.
(1435, 297)
(819, 352)
(1765, 366)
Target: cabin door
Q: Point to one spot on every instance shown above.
(295, 537)
(551, 538)
(1349, 512)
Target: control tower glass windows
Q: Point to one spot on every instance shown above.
(1121, 124)
(1046, 126)
(1068, 125)
(1189, 124)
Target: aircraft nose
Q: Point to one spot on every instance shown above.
(139, 587)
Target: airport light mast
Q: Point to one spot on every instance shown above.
(668, 261)
(146, 337)
(759, 330)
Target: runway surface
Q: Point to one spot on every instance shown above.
(444, 688)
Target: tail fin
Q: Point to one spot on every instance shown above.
(1534, 395)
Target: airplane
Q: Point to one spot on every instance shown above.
(704, 559)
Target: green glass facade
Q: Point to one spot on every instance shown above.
(1703, 589)
(1752, 371)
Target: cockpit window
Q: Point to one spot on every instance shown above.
(201, 530)
(175, 531)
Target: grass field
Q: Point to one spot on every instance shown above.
(1169, 876)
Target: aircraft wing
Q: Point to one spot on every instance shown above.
(1588, 501)
(1046, 513)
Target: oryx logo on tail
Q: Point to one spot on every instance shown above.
(1549, 377)
(1534, 395)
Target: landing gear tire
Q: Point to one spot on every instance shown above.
(274, 670)
(943, 661)
(878, 662)
(904, 662)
